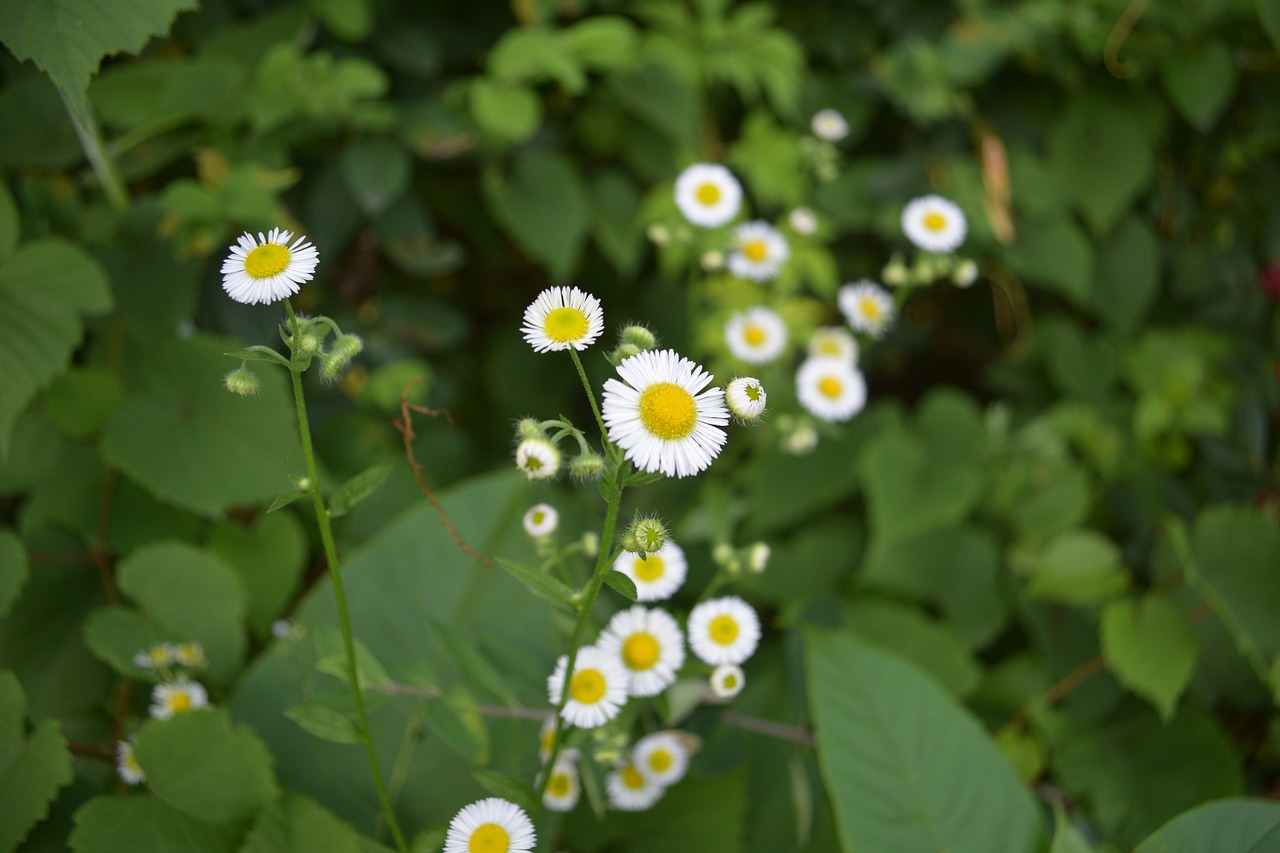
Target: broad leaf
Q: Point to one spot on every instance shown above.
(542, 203)
(325, 723)
(269, 557)
(1200, 80)
(1078, 567)
(1100, 155)
(32, 768)
(377, 172)
(13, 569)
(116, 634)
(144, 825)
(1248, 826)
(539, 582)
(511, 113)
(357, 489)
(621, 584)
(295, 823)
(1151, 648)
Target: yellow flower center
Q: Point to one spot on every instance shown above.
(650, 568)
(755, 250)
(870, 308)
(132, 763)
(754, 334)
(668, 411)
(723, 629)
(267, 260)
(830, 387)
(729, 682)
(548, 740)
(640, 650)
(935, 221)
(587, 686)
(179, 702)
(828, 346)
(489, 838)
(539, 516)
(565, 324)
(753, 392)
(532, 463)
(631, 777)
(660, 760)
(707, 194)
(560, 785)
(159, 655)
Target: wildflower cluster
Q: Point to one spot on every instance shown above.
(175, 693)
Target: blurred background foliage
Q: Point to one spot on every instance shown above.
(1060, 506)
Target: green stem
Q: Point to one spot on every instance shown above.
(344, 621)
(104, 167)
(591, 395)
(691, 298)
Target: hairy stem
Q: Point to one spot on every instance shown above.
(591, 395)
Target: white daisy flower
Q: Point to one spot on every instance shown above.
(189, 654)
(541, 520)
(175, 697)
(537, 458)
(630, 790)
(563, 788)
(724, 630)
(658, 575)
(708, 194)
(867, 306)
(562, 318)
(547, 742)
(803, 439)
(830, 389)
(745, 397)
(660, 415)
(126, 765)
(803, 221)
(268, 269)
(830, 125)
(597, 690)
(758, 557)
(649, 645)
(492, 824)
(934, 223)
(834, 342)
(727, 681)
(759, 251)
(965, 274)
(156, 657)
(756, 336)
(662, 757)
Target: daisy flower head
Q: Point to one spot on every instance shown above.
(597, 690)
(829, 124)
(934, 224)
(746, 398)
(724, 630)
(662, 414)
(803, 221)
(648, 644)
(541, 520)
(867, 307)
(189, 654)
(126, 765)
(563, 788)
(154, 657)
(491, 825)
(708, 195)
(756, 336)
(547, 743)
(727, 681)
(802, 440)
(537, 458)
(269, 268)
(834, 342)
(759, 251)
(831, 389)
(176, 697)
(657, 575)
(632, 791)
(662, 757)
(562, 318)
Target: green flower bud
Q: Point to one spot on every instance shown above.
(345, 348)
(639, 337)
(529, 428)
(242, 381)
(590, 543)
(309, 344)
(645, 535)
(722, 553)
(587, 466)
(623, 352)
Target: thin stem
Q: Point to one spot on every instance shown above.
(103, 166)
(344, 621)
(591, 395)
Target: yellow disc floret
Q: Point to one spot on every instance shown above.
(668, 411)
(565, 324)
(723, 629)
(870, 308)
(489, 838)
(707, 194)
(587, 686)
(754, 334)
(830, 387)
(180, 702)
(640, 651)
(650, 568)
(755, 250)
(560, 785)
(935, 221)
(269, 259)
(631, 777)
(660, 760)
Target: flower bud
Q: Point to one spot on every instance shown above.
(537, 458)
(803, 221)
(639, 337)
(659, 235)
(645, 535)
(586, 466)
(309, 344)
(541, 520)
(712, 261)
(624, 351)
(758, 557)
(242, 381)
(965, 274)
(529, 428)
(895, 273)
(345, 348)
(746, 398)
(590, 543)
(727, 681)
(722, 553)
(802, 440)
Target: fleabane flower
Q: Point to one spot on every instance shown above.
(562, 318)
(803, 221)
(831, 389)
(632, 791)
(708, 195)
(758, 557)
(759, 251)
(563, 788)
(661, 416)
(154, 657)
(727, 681)
(269, 268)
(757, 335)
(934, 224)
(177, 697)
(541, 520)
(658, 575)
(724, 630)
(662, 757)
(834, 342)
(126, 765)
(537, 458)
(547, 742)
(867, 307)
(829, 124)
(648, 644)
(745, 398)
(597, 689)
(491, 825)
(189, 654)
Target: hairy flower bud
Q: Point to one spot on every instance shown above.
(345, 348)
(242, 381)
(586, 466)
(645, 535)
(639, 337)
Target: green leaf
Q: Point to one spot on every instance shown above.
(512, 113)
(543, 205)
(1056, 255)
(331, 659)
(622, 585)
(533, 54)
(45, 288)
(892, 750)
(539, 583)
(1200, 80)
(294, 823)
(1226, 826)
(377, 172)
(32, 769)
(615, 208)
(144, 825)
(659, 96)
(601, 42)
(197, 762)
(357, 489)
(507, 787)
(284, 500)
(10, 224)
(13, 570)
(1269, 15)
(349, 20)
(168, 89)
(325, 723)
(116, 634)
(1079, 567)
(1151, 648)
(1067, 837)
(1128, 276)
(908, 633)
(82, 399)
(456, 720)
(771, 161)
(1101, 156)
(269, 556)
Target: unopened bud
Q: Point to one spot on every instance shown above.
(309, 344)
(758, 557)
(586, 466)
(623, 352)
(722, 553)
(590, 543)
(659, 235)
(803, 440)
(345, 348)
(745, 397)
(965, 274)
(529, 428)
(639, 337)
(242, 381)
(537, 458)
(895, 273)
(645, 535)
(712, 261)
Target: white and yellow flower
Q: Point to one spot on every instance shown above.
(724, 630)
(563, 788)
(759, 250)
(745, 398)
(934, 224)
(834, 342)
(867, 307)
(661, 416)
(541, 520)
(649, 645)
(562, 318)
(154, 657)
(708, 195)
(801, 440)
(597, 689)
(177, 697)
(126, 765)
(831, 389)
(758, 557)
(658, 575)
(662, 757)
(537, 458)
(757, 335)
(830, 125)
(965, 274)
(189, 654)
(547, 742)
(632, 791)
(803, 221)
(269, 268)
(727, 681)
(491, 825)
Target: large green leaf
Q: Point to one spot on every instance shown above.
(295, 822)
(1223, 826)
(1055, 254)
(906, 767)
(543, 205)
(144, 825)
(1101, 156)
(13, 569)
(1200, 80)
(32, 768)
(1128, 275)
(1078, 567)
(910, 634)
(1151, 648)
(269, 556)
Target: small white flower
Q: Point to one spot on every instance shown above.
(491, 824)
(189, 654)
(803, 221)
(934, 223)
(176, 697)
(828, 124)
(630, 790)
(802, 440)
(541, 520)
(547, 742)
(537, 458)
(597, 690)
(656, 576)
(727, 681)
(661, 416)
(662, 757)
(759, 251)
(659, 235)
(126, 765)
(268, 269)
(563, 788)
(562, 318)
(758, 557)
(830, 389)
(648, 644)
(708, 195)
(724, 630)
(867, 306)
(834, 342)
(756, 336)
(281, 628)
(155, 657)
(745, 398)
(712, 261)
(965, 274)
